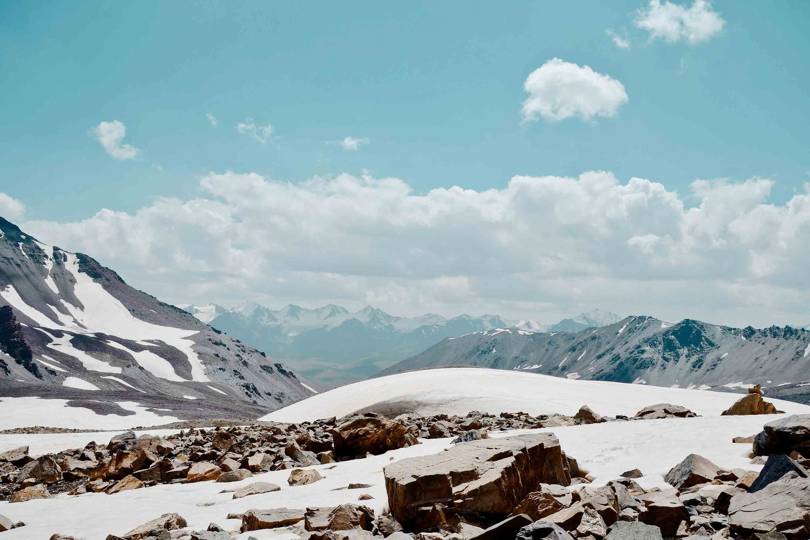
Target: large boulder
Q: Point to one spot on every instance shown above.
(664, 510)
(663, 410)
(782, 506)
(783, 436)
(585, 415)
(693, 470)
(302, 477)
(369, 434)
(777, 466)
(485, 478)
(751, 403)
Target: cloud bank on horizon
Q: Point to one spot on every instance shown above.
(723, 253)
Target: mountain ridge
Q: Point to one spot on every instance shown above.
(334, 345)
(72, 329)
(642, 350)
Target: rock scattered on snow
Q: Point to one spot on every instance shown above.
(751, 403)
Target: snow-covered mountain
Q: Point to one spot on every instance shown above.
(641, 349)
(72, 329)
(333, 345)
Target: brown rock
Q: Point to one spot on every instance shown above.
(38, 491)
(202, 471)
(567, 518)
(222, 441)
(370, 434)
(234, 476)
(487, 477)
(632, 473)
(230, 464)
(506, 528)
(586, 416)
(538, 504)
(751, 403)
(254, 520)
(125, 484)
(44, 469)
(339, 518)
(301, 477)
(664, 510)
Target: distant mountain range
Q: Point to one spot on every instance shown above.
(333, 345)
(72, 329)
(641, 350)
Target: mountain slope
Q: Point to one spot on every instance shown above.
(643, 350)
(73, 329)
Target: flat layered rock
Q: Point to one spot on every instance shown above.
(783, 505)
(256, 488)
(664, 410)
(487, 478)
(254, 520)
(784, 436)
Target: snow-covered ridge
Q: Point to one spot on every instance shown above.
(460, 390)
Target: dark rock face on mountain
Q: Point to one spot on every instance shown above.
(73, 329)
(643, 350)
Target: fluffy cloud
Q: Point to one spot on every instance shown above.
(211, 119)
(11, 208)
(558, 90)
(111, 137)
(673, 22)
(260, 133)
(538, 247)
(353, 143)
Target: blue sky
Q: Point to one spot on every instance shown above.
(433, 94)
(435, 86)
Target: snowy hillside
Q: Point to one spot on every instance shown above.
(460, 390)
(72, 330)
(641, 350)
(605, 450)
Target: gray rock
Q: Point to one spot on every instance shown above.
(780, 506)
(625, 530)
(255, 488)
(784, 436)
(234, 476)
(777, 466)
(693, 470)
(15, 455)
(5, 523)
(663, 410)
(166, 522)
(543, 530)
(301, 477)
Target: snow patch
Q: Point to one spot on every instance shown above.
(573, 375)
(81, 384)
(50, 364)
(63, 345)
(215, 389)
(308, 387)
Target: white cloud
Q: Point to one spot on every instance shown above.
(558, 90)
(111, 136)
(619, 41)
(261, 133)
(673, 22)
(353, 143)
(724, 253)
(211, 119)
(11, 208)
